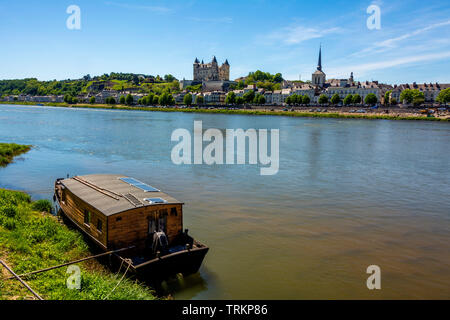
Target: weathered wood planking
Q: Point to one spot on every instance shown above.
(131, 227)
(123, 229)
(75, 210)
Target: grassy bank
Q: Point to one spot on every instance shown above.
(31, 239)
(246, 112)
(9, 150)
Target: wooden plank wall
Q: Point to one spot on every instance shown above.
(131, 227)
(74, 208)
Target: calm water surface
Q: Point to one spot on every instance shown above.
(349, 194)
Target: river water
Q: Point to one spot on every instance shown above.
(349, 194)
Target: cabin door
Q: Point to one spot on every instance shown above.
(152, 226)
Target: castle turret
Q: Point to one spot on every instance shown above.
(224, 71)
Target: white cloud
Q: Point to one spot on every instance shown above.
(157, 9)
(388, 44)
(362, 69)
(297, 34)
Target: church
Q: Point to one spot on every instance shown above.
(319, 77)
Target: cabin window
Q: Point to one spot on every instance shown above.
(87, 217)
(99, 225)
(151, 226)
(173, 212)
(119, 219)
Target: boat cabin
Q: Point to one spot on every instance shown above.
(118, 211)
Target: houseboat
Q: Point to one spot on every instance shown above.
(121, 214)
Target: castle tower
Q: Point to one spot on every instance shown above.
(196, 69)
(351, 78)
(224, 71)
(319, 77)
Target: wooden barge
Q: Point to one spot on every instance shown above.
(119, 212)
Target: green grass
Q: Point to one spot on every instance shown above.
(9, 150)
(246, 112)
(31, 240)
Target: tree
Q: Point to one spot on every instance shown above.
(110, 100)
(249, 96)
(135, 80)
(278, 78)
(335, 99)
(155, 100)
(149, 99)
(348, 99)
(387, 97)
(122, 100)
(288, 100)
(239, 100)
(169, 78)
(296, 99)
(74, 100)
(418, 100)
(68, 98)
(129, 100)
(187, 100)
(261, 99)
(371, 99)
(231, 98)
(163, 99)
(166, 99)
(306, 99)
(409, 95)
(92, 100)
(357, 99)
(393, 101)
(199, 100)
(444, 96)
(323, 99)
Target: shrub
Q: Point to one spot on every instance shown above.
(8, 211)
(43, 206)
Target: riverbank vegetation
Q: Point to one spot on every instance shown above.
(138, 83)
(305, 114)
(31, 239)
(10, 150)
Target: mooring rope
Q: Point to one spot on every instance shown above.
(118, 283)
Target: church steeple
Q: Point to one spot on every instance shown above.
(319, 65)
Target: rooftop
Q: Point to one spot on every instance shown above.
(110, 195)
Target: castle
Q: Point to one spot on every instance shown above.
(211, 71)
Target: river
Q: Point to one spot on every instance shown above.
(349, 194)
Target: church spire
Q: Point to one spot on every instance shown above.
(319, 65)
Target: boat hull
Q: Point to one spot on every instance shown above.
(186, 261)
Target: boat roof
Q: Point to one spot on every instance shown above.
(112, 194)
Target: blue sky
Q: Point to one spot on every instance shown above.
(161, 37)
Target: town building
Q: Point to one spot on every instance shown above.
(430, 90)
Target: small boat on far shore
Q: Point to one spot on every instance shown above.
(118, 212)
